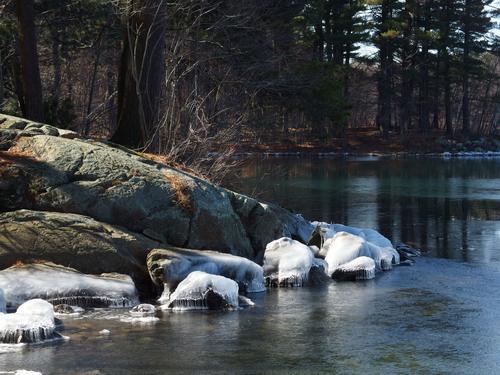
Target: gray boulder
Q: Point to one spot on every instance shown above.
(73, 240)
(42, 171)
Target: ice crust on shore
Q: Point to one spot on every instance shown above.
(288, 262)
(329, 230)
(32, 322)
(246, 273)
(361, 268)
(344, 247)
(204, 291)
(61, 285)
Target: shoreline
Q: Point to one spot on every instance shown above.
(369, 155)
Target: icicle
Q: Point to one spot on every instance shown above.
(203, 291)
(33, 322)
(287, 263)
(362, 268)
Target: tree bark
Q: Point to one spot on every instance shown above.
(141, 74)
(30, 71)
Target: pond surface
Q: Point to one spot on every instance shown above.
(439, 316)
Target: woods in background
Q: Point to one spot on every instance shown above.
(176, 77)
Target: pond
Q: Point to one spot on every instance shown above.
(439, 316)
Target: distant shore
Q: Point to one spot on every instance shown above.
(370, 143)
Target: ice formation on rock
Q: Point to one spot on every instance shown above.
(287, 262)
(32, 322)
(361, 268)
(204, 291)
(327, 231)
(143, 309)
(61, 285)
(175, 266)
(3, 305)
(344, 247)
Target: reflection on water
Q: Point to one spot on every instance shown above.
(450, 207)
(439, 316)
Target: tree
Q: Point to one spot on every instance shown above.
(32, 86)
(475, 24)
(142, 72)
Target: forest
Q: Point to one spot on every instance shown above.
(181, 77)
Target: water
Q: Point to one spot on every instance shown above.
(439, 316)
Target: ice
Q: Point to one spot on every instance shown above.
(180, 263)
(143, 309)
(361, 268)
(140, 319)
(3, 306)
(344, 247)
(32, 322)
(287, 262)
(61, 285)
(204, 291)
(26, 372)
(329, 230)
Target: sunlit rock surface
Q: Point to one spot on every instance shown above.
(169, 267)
(287, 262)
(204, 291)
(32, 322)
(61, 285)
(42, 169)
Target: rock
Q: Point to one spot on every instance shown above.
(44, 172)
(33, 322)
(287, 263)
(362, 268)
(143, 309)
(169, 267)
(74, 240)
(266, 222)
(64, 309)
(203, 291)
(61, 285)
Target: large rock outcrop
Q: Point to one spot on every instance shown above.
(74, 241)
(42, 169)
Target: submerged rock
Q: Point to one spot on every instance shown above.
(287, 262)
(61, 285)
(65, 309)
(32, 322)
(143, 309)
(362, 268)
(203, 291)
(169, 267)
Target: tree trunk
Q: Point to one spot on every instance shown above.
(465, 76)
(384, 83)
(142, 73)
(30, 72)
